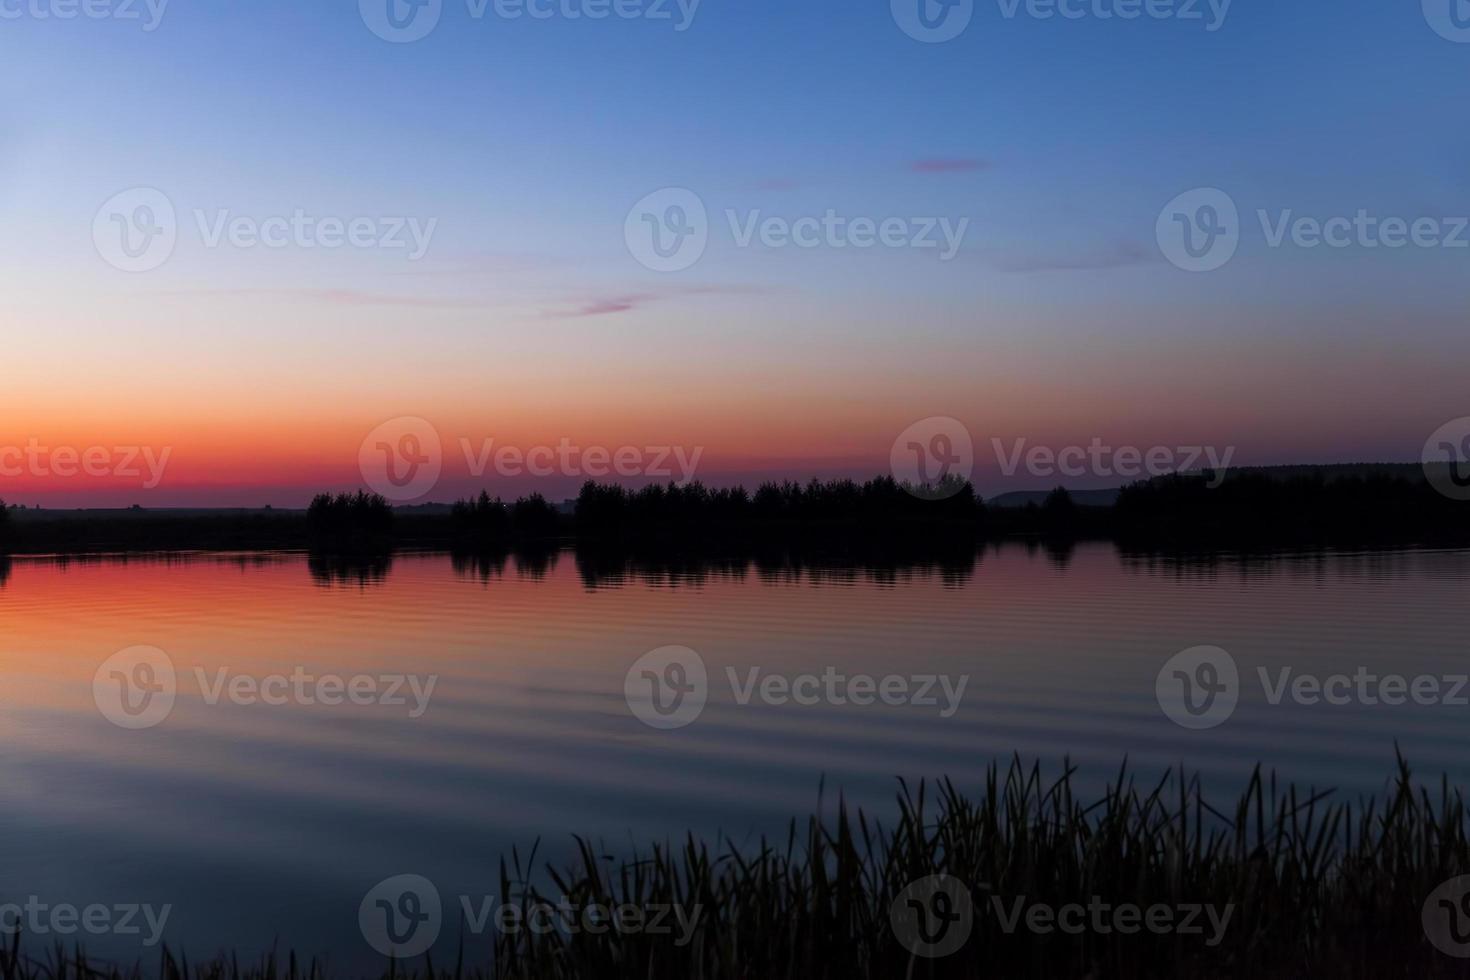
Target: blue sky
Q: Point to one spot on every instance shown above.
(527, 141)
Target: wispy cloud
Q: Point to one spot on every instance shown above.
(625, 302)
(607, 305)
(1115, 256)
(949, 165)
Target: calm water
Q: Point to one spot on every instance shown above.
(266, 823)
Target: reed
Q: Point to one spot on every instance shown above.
(1314, 887)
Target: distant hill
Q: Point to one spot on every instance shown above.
(1335, 471)
(1083, 498)
(1413, 472)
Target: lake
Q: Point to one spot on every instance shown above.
(328, 726)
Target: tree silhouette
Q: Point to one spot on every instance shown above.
(1256, 508)
(346, 518)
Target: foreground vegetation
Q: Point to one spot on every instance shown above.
(1314, 888)
(1317, 888)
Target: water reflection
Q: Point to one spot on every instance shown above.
(602, 567)
(1058, 551)
(1321, 565)
(302, 807)
(145, 560)
(337, 570)
(532, 562)
(486, 566)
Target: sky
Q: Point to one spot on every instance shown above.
(499, 171)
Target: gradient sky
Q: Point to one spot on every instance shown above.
(529, 321)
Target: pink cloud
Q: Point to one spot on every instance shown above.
(611, 304)
(624, 302)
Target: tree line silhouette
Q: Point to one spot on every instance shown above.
(1255, 509)
(346, 517)
(490, 519)
(879, 504)
(1248, 509)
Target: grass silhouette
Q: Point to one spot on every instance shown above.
(1313, 887)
